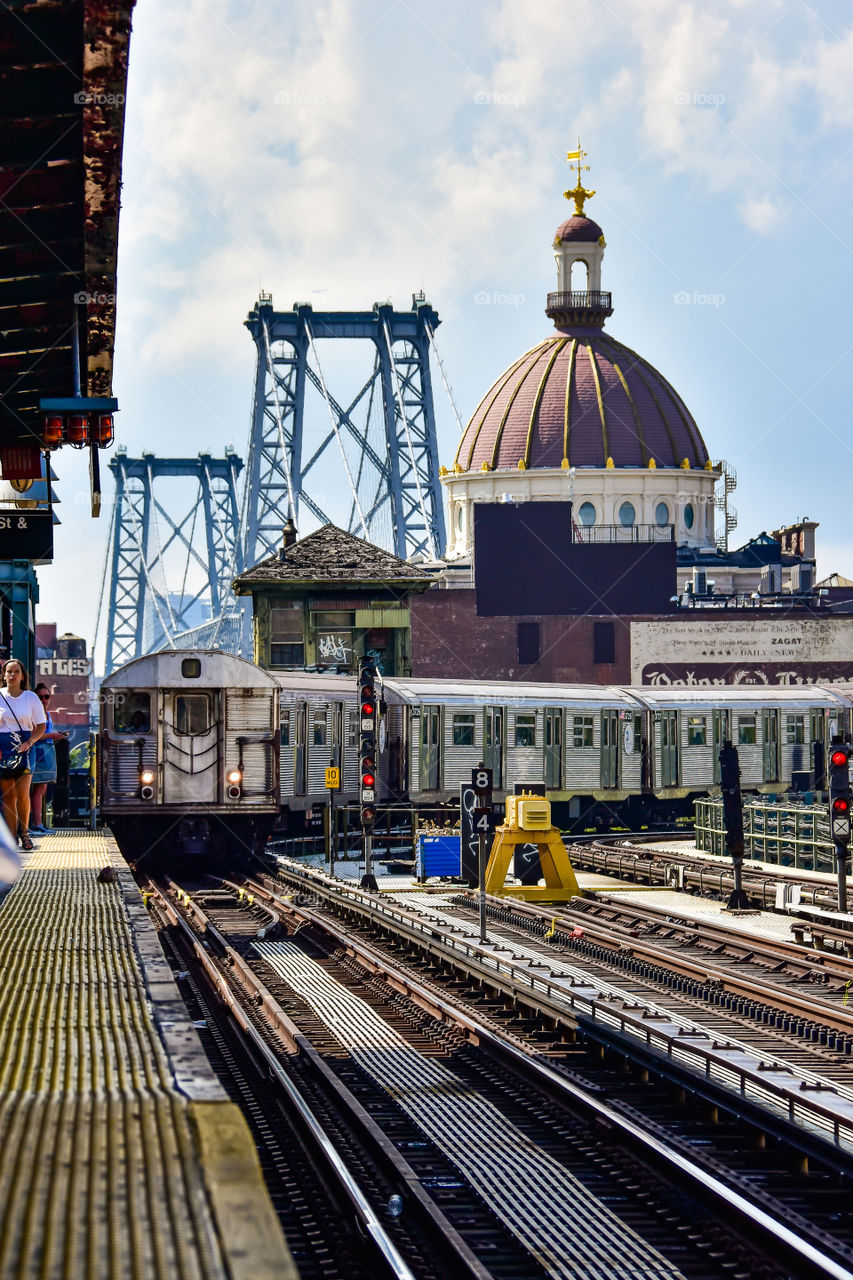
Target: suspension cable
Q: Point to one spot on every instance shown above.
(337, 430)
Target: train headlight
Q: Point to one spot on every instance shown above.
(146, 777)
(146, 784)
(234, 777)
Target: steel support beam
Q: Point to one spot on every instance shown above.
(154, 547)
(381, 445)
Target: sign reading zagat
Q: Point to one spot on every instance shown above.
(784, 651)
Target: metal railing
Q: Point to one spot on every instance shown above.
(597, 533)
(569, 300)
(783, 834)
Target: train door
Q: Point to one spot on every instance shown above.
(669, 749)
(430, 748)
(610, 748)
(554, 748)
(337, 734)
(722, 732)
(191, 772)
(493, 744)
(300, 748)
(818, 739)
(771, 744)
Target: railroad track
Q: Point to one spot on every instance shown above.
(623, 858)
(647, 1108)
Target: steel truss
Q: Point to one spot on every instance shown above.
(384, 439)
(144, 615)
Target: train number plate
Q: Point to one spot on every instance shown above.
(368, 793)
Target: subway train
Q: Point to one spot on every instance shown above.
(188, 755)
(609, 756)
(201, 752)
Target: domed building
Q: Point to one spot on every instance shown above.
(581, 417)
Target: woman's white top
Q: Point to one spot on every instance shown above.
(27, 707)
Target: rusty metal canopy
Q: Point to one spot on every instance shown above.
(63, 82)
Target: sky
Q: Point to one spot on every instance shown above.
(351, 151)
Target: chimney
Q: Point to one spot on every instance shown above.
(288, 537)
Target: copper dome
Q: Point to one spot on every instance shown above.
(579, 227)
(585, 398)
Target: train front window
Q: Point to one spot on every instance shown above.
(132, 713)
(192, 713)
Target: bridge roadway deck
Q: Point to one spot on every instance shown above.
(122, 1156)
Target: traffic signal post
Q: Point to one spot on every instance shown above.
(733, 822)
(839, 812)
(367, 758)
(481, 784)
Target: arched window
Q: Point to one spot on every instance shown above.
(661, 514)
(579, 276)
(627, 515)
(587, 513)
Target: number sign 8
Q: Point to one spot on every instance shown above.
(481, 780)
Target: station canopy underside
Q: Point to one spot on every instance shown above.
(63, 78)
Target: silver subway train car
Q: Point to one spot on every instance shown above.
(188, 755)
(608, 755)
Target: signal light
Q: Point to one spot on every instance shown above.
(77, 430)
(52, 431)
(102, 431)
(839, 794)
(368, 780)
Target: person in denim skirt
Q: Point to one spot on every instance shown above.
(22, 723)
(43, 761)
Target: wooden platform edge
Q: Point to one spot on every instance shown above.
(250, 1235)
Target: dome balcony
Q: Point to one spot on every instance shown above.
(580, 306)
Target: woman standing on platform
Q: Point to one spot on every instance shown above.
(22, 723)
(43, 763)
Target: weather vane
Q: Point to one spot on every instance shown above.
(579, 192)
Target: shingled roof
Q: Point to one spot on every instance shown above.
(332, 555)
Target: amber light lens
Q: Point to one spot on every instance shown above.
(52, 430)
(77, 430)
(102, 430)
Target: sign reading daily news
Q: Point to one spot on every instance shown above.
(26, 535)
(754, 651)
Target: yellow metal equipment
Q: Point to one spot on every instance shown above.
(528, 821)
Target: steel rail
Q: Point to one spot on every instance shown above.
(738, 1069)
(467, 1263)
(703, 968)
(725, 1197)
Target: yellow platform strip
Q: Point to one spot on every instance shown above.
(102, 1173)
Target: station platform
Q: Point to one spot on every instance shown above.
(122, 1156)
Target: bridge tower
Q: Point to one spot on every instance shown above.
(171, 569)
(369, 465)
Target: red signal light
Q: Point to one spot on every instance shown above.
(52, 430)
(368, 709)
(840, 805)
(839, 759)
(367, 779)
(77, 430)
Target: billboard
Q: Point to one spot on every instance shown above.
(758, 650)
(528, 560)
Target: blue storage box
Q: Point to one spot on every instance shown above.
(439, 856)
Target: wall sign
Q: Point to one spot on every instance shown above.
(26, 535)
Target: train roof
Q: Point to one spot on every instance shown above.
(449, 692)
(748, 696)
(420, 689)
(165, 669)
